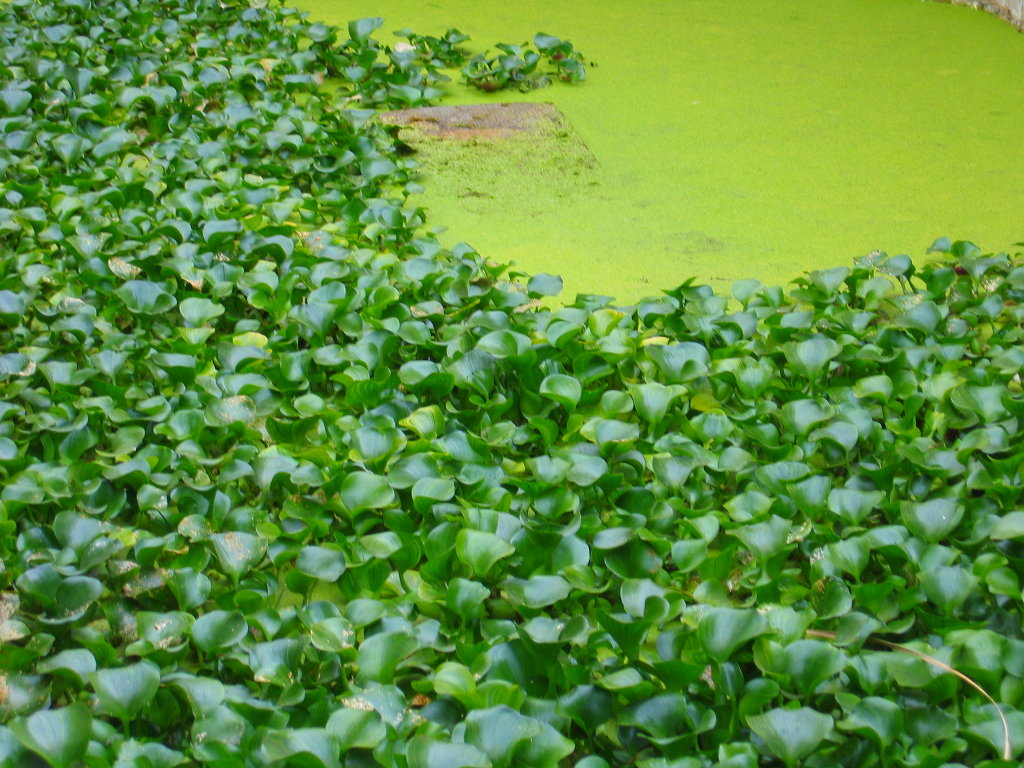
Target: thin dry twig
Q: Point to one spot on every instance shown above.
(1007, 747)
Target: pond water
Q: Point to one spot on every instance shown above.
(738, 139)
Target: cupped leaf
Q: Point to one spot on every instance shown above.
(218, 630)
(365, 490)
(59, 736)
(126, 691)
(313, 747)
(562, 389)
(238, 552)
(791, 734)
(481, 550)
(145, 298)
(321, 563)
(425, 752)
(721, 631)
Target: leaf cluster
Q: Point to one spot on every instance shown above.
(525, 67)
(285, 483)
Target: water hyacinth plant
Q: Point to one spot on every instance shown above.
(283, 482)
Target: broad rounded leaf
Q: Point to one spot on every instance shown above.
(145, 298)
(217, 630)
(543, 284)
(321, 563)
(564, 390)
(791, 734)
(357, 728)
(365, 490)
(59, 736)
(126, 691)
(238, 552)
(481, 550)
(722, 630)
(315, 747)
(425, 752)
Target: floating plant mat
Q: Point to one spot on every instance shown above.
(740, 139)
(509, 157)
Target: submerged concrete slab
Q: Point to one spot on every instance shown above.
(480, 121)
(495, 160)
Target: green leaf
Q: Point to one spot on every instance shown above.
(680, 362)
(810, 357)
(791, 734)
(126, 691)
(766, 539)
(218, 630)
(365, 490)
(425, 752)
(334, 634)
(199, 311)
(536, 591)
(315, 747)
(59, 736)
(543, 284)
(948, 586)
(721, 631)
(652, 400)
(665, 717)
(877, 718)
(562, 389)
(481, 550)
(361, 29)
(321, 563)
(509, 738)
(357, 728)
(218, 232)
(688, 554)
(15, 101)
(79, 663)
(143, 297)
(502, 344)
(276, 661)
(810, 662)
(238, 552)
(380, 655)
(932, 520)
(149, 754)
(1009, 526)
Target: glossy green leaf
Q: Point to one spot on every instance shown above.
(313, 746)
(321, 563)
(562, 389)
(124, 692)
(361, 29)
(357, 728)
(509, 738)
(810, 357)
(543, 284)
(365, 490)
(238, 552)
(878, 718)
(721, 631)
(379, 655)
(791, 734)
(59, 736)
(932, 520)
(481, 550)
(218, 630)
(425, 752)
(145, 298)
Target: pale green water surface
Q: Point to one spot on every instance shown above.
(742, 138)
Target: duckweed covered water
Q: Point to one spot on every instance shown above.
(737, 139)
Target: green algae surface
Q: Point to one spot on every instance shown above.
(735, 139)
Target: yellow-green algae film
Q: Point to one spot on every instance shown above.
(738, 138)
